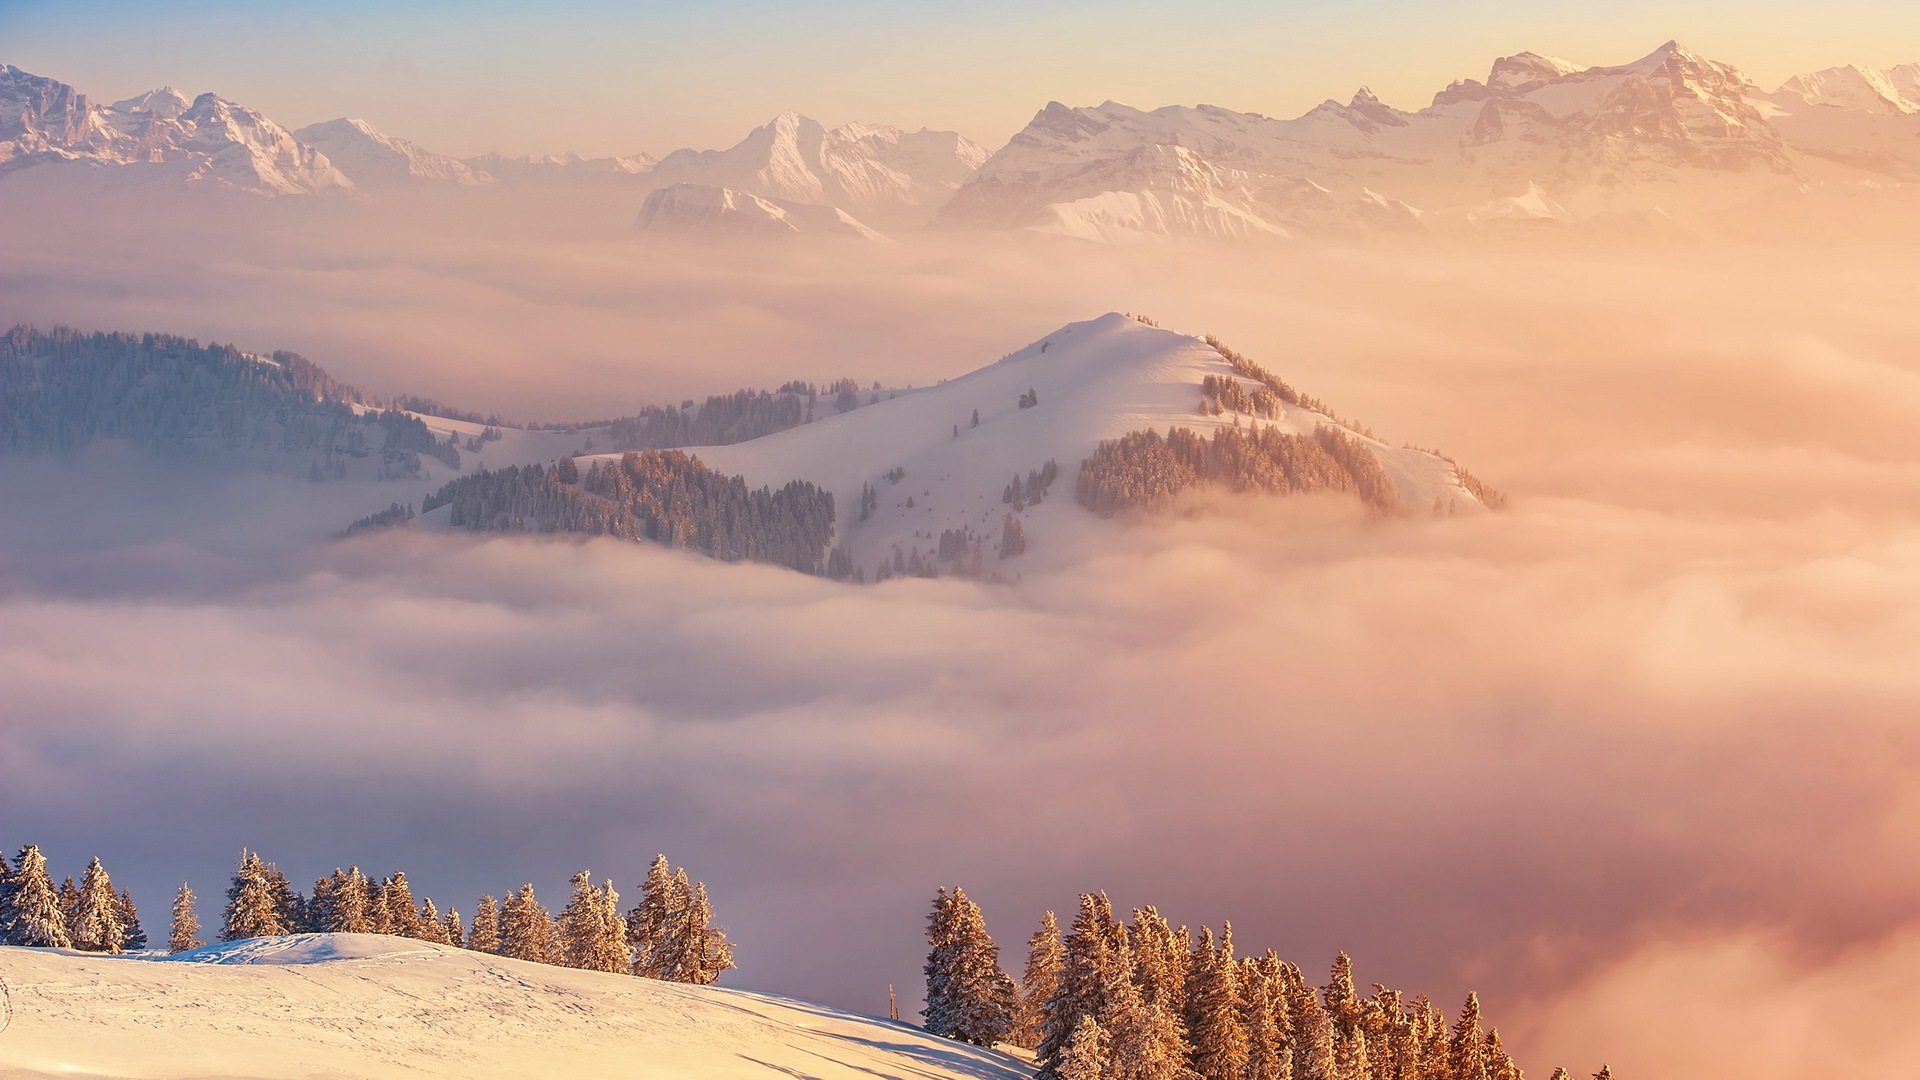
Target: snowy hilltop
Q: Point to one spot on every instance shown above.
(370, 1006)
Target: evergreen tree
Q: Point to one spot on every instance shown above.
(1083, 1054)
(654, 922)
(186, 924)
(1605, 1073)
(30, 913)
(1267, 1055)
(450, 929)
(1214, 1024)
(69, 903)
(288, 905)
(1312, 1029)
(707, 952)
(614, 954)
(1037, 982)
(252, 909)
(584, 929)
(1467, 1051)
(1094, 978)
(1500, 1066)
(394, 910)
(483, 935)
(133, 939)
(342, 903)
(429, 924)
(968, 997)
(526, 928)
(1345, 1013)
(95, 924)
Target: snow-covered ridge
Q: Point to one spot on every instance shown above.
(211, 140)
(933, 469)
(379, 1007)
(704, 210)
(374, 159)
(1670, 127)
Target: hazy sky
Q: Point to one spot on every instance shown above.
(605, 78)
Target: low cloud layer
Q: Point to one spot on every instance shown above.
(1637, 759)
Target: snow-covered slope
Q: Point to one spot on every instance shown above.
(1889, 90)
(871, 171)
(703, 210)
(560, 169)
(1604, 139)
(373, 159)
(369, 1007)
(210, 140)
(1095, 380)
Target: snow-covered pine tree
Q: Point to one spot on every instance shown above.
(430, 926)
(1213, 1010)
(69, 903)
(706, 952)
(1037, 982)
(134, 939)
(1390, 1041)
(654, 922)
(1267, 1055)
(1159, 954)
(1561, 1073)
(30, 915)
(450, 929)
(483, 935)
(1344, 1012)
(394, 910)
(526, 928)
(1429, 1038)
(181, 934)
(612, 953)
(1500, 1065)
(579, 931)
(1146, 1040)
(288, 904)
(95, 924)
(342, 903)
(1467, 1050)
(1605, 1073)
(1083, 1054)
(968, 997)
(1097, 963)
(252, 910)
(1312, 1029)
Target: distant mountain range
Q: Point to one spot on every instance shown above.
(1540, 140)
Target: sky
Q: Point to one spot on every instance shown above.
(616, 78)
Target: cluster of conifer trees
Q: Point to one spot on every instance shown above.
(61, 389)
(1143, 471)
(663, 496)
(668, 935)
(1146, 1001)
(732, 418)
(89, 916)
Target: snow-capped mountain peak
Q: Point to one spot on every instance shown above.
(863, 169)
(1892, 90)
(165, 102)
(374, 159)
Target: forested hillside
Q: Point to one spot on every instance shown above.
(61, 389)
(665, 497)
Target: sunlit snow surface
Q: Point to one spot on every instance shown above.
(363, 1005)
